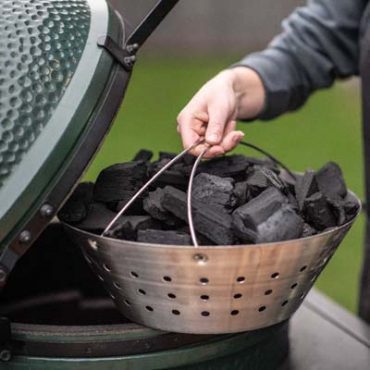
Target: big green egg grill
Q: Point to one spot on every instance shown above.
(64, 69)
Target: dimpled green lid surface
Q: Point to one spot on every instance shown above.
(52, 75)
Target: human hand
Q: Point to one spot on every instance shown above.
(213, 111)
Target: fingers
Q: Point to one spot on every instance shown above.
(219, 115)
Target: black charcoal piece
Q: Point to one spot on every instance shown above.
(214, 190)
(241, 193)
(127, 227)
(143, 155)
(262, 178)
(308, 230)
(117, 182)
(305, 186)
(318, 213)
(173, 176)
(330, 181)
(284, 224)
(166, 155)
(211, 221)
(288, 179)
(171, 237)
(152, 204)
(135, 208)
(76, 208)
(256, 220)
(351, 206)
(234, 166)
(98, 218)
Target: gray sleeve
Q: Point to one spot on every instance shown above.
(319, 42)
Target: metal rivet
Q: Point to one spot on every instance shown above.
(200, 258)
(25, 237)
(5, 355)
(47, 210)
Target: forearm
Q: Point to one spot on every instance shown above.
(318, 44)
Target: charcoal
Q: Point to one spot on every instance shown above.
(211, 221)
(127, 227)
(267, 217)
(171, 237)
(318, 212)
(143, 155)
(305, 186)
(234, 166)
(330, 181)
(285, 224)
(288, 179)
(76, 208)
(214, 190)
(119, 181)
(173, 176)
(98, 217)
(350, 206)
(166, 155)
(241, 193)
(135, 208)
(153, 205)
(308, 230)
(261, 178)
(344, 209)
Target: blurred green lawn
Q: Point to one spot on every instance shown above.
(327, 128)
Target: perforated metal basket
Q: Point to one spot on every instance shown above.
(209, 289)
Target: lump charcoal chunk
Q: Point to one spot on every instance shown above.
(350, 206)
(211, 221)
(262, 178)
(173, 176)
(98, 218)
(249, 217)
(330, 181)
(241, 193)
(214, 190)
(171, 237)
(317, 212)
(234, 166)
(116, 182)
(128, 227)
(135, 208)
(143, 155)
(76, 208)
(288, 179)
(166, 155)
(344, 209)
(308, 230)
(305, 186)
(152, 204)
(284, 224)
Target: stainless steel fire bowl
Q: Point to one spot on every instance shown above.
(209, 290)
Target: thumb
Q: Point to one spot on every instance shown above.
(219, 115)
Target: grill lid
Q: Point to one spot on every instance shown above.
(64, 67)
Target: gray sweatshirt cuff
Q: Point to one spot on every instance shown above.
(280, 79)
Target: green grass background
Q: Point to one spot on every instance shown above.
(327, 128)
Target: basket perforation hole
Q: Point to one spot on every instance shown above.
(261, 309)
(134, 274)
(284, 303)
(117, 285)
(141, 291)
(100, 278)
(93, 244)
(204, 280)
(240, 279)
(149, 308)
(275, 275)
(107, 267)
(168, 279)
(204, 297)
(293, 286)
(112, 296)
(127, 303)
(171, 295)
(234, 312)
(268, 292)
(303, 268)
(238, 295)
(205, 313)
(176, 312)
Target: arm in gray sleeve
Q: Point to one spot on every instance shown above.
(319, 43)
